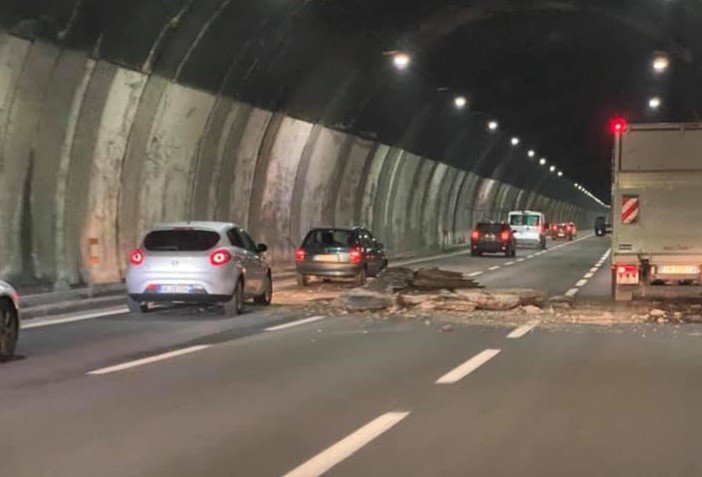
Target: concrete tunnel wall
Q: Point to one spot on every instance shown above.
(92, 154)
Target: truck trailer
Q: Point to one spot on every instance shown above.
(657, 210)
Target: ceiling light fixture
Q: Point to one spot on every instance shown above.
(401, 60)
(661, 63)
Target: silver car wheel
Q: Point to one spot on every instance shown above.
(9, 331)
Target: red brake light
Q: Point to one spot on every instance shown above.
(300, 255)
(505, 236)
(627, 269)
(136, 257)
(220, 257)
(356, 256)
(618, 125)
(475, 235)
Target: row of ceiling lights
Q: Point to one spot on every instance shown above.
(660, 65)
(402, 61)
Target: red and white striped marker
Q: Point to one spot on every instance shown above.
(630, 209)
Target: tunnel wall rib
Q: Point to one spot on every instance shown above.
(93, 154)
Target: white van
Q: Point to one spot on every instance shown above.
(529, 228)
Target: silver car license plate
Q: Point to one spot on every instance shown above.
(175, 289)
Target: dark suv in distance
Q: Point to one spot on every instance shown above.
(338, 252)
(493, 238)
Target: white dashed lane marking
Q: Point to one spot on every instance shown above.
(296, 323)
(522, 330)
(581, 283)
(460, 372)
(323, 462)
(152, 359)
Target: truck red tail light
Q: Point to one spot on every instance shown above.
(475, 235)
(627, 269)
(220, 257)
(136, 258)
(356, 256)
(618, 125)
(300, 255)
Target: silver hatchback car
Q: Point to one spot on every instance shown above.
(210, 263)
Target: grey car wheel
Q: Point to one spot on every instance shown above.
(235, 306)
(9, 330)
(266, 297)
(302, 280)
(360, 279)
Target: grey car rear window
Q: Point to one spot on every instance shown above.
(329, 238)
(181, 240)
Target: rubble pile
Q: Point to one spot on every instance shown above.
(433, 289)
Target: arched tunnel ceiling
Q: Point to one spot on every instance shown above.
(552, 72)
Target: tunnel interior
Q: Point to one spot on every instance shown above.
(282, 115)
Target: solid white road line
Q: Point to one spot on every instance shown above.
(475, 274)
(522, 330)
(90, 315)
(581, 283)
(152, 359)
(572, 292)
(468, 367)
(496, 267)
(295, 323)
(345, 448)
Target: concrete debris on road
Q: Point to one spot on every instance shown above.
(365, 300)
(561, 302)
(433, 289)
(437, 279)
(657, 313)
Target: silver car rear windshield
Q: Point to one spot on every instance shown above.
(181, 240)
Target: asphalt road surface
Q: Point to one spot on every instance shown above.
(277, 392)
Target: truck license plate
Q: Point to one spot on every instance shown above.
(678, 270)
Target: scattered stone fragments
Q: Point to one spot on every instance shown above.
(433, 289)
(365, 300)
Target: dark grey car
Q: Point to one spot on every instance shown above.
(337, 252)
